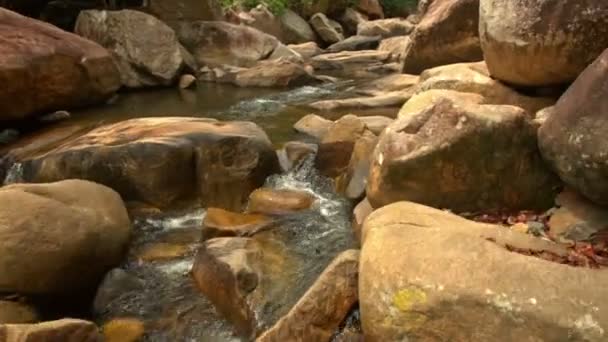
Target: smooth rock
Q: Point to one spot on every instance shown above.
(274, 73)
(385, 28)
(337, 146)
(87, 223)
(325, 29)
(521, 51)
(391, 83)
(488, 292)
(279, 202)
(429, 98)
(377, 123)
(448, 33)
(577, 218)
(378, 100)
(313, 125)
(296, 30)
(43, 69)
(57, 116)
(396, 46)
(16, 313)
(574, 138)
(354, 181)
(306, 50)
(187, 81)
(349, 59)
(350, 20)
(458, 156)
(371, 8)
(294, 153)
(161, 251)
(355, 43)
(65, 330)
(360, 213)
(223, 223)
(123, 330)
(285, 52)
(185, 10)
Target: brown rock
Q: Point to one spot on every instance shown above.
(86, 222)
(360, 213)
(294, 152)
(261, 18)
(350, 20)
(429, 98)
(65, 330)
(44, 69)
(338, 144)
(377, 123)
(319, 313)
(377, 100)
(325, 29)
(521, 51)
(285, 52)
(458, 156)
(274, 73)
(385, 28)
(350, 60)
(306, 50)
(448, 33)
(574, 138)
(391, 83)
(296, 30)
(161, 160)
(185, 10)
(16, 313)
(123, 330)
(223, 223)
(355, 43)
(577, 219)
(313, 125)
(354, 181)
(162, 251)
(487, 291)
(396, 46)
(371, 8)
(279, 202)
(187, 81)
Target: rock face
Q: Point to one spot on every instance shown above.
(214, 43)
(163, 160)
(520, 50)
(319, 313)
(326, 29)
(146, 50)
(385, 28)
(574, 137)
(296, 30)
(448, 33)
(461, 156)
(44, 69)
(407, 293)
(65, 330)
(87, 223)
(185, 10)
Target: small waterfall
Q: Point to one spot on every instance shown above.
(14, 174)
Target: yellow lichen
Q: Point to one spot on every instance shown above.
(407, 298)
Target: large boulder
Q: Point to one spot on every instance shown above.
(319, 313)
(447, 33)
(337, 145)
(574, 138)
(541, 43)
(185, 10)
(461, 156)
(65, 330)
(489, 291)
(163, 160)
(43, 69)
(385, 28)
(350, 20)
(87, 224)
(146, 50)
(215, 43)
(296, 30)
(326, 28)
(279, 72)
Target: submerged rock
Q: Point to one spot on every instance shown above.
(86, 222)
(187, 81)
(279, 202)
(43, 69)
(163, 160)
(489, 292)
(65, 330)
(537, 43)
(448, 33)
(463, 157)
(223, 223)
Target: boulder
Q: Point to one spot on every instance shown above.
(349, 60)
(376, 123)
(65, 330)
(391, 83)
(396, 46)
(123, 330)
(185, 10)
(360, 214)
(163, 160)
(313, 125)
(371, 8)
(161, 251)
(475, 78)
(574, 137)
(145, 49)
(274, 73)
(429, 98)
(16, 313)
(542, 115)
(294, 153)
(577, 218)
(337, 145)
(355, 43)
(385, 28)
(44, 69)
(379, 100)
(279, 202)
(319, 313)
(223, 223)
(285, 52)
(520, 51)
(350, 20)
(187, 81)
(261, 18)
(213, 43)
(306, 50)
(353, 181)
(448, 33)
(489, 291)
(464, 157)
(116, 284)
(296, 30)
(87, 222)
(326, 29)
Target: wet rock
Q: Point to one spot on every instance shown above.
(376, 124)
(215, 43)
(89, 227)
(458, 156)
(116, 284)
(577, 218)
(306, 50)
(396, 46)
(354, 181)
(319, 313)
(351, 19)
(145, 49)
(385, 28)
(274, 73)
(294, 152)
(160, 161)
(371, 8)
(161, 251)
(313, 125)
(223, 223)
(185, 10)
(573, 139)
(429, 98)
(360, 213)
(123, 330)
(475, 78)
(187, 81)
(448, 33)
(355, 43)
(16, 313)
(349, 59)
(57, 116)
(279, 202)
(391, 83)
(296, 30)
(326, 29)
(70, 71)
(65, 330)
(487, 292)
(379, 100)
(338, 144)
(520, 51)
